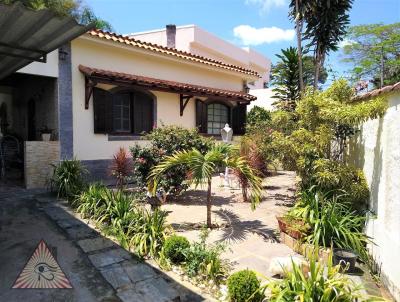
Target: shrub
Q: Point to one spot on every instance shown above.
(332, 222)
(121, 167)
(320, 284)
(149, 232)
(165, 141)
(329, 175)
(68, 178)
(205, 260)
(174, 247)
(244, 286)
(90, 200)
(257, 117)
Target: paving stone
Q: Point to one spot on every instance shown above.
(70, 222)
(56, 213)
(116, 276)
(158, 290)
(103, 259)
(80, 232)
(139, 271)
(95, 244)
(130, 295)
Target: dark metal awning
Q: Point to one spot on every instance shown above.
(27, 35)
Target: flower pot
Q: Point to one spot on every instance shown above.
(282, 224)
(46, 137)
(344, 257)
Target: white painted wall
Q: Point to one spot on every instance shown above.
(49, 69)
(377, 151)
(264, 99)
(92, 53)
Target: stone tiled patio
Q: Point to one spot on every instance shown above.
(251, 237)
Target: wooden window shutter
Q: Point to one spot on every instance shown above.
(102, 107)
(142, 113)
(201, 116)
(239, 119)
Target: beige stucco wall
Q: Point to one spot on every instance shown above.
(377, 151)
(90, 146)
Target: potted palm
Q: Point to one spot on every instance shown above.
(201, 168)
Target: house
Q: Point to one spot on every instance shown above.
(109, 89)
(196, 40)
(375, 150)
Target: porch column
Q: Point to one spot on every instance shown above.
(65, 122)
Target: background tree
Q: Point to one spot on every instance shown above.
(374, 53)
(284, 77)
(202, 167)
(74, 8)
(326, 24)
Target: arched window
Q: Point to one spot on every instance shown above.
(122, 111)
(217, 117)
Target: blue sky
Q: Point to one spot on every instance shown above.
(238, 21)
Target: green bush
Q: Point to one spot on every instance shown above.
(329, 175)
(320, 284)
(164, 141)
(205, 261)
(68, 178)
(90, 200)
(244, 286)
(174, 247)
(332, 222)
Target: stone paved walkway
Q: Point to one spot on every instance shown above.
(252, 236)
(132, 279)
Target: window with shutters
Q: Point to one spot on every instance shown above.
(217, 117)
(124, 112)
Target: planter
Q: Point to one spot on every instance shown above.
(46, 137)
(345, 257)
(291, 227)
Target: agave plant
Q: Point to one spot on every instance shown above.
(202, 167)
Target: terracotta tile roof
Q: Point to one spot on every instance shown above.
(169, 51)
(163, 85)
(377, 92)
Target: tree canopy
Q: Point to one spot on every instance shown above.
(371, 45)
(286, 81)
(74, 8)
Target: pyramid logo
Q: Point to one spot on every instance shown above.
(42, 271)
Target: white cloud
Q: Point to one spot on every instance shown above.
(249, 35)
(345, 42)
(266, 5)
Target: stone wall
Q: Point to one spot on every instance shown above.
(39, 156)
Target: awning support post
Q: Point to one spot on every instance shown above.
(183, 101)
(89, 85)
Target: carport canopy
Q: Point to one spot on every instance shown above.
(28, 35)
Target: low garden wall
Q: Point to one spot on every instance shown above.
(39, 155)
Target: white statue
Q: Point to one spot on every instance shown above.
(226, 134)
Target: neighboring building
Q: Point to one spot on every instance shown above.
(103, 90)
(193, 39)
(376, 150)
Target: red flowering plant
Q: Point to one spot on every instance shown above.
(121, 167)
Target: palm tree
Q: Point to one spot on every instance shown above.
(201, 168)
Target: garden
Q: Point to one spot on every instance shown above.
(329, 214)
